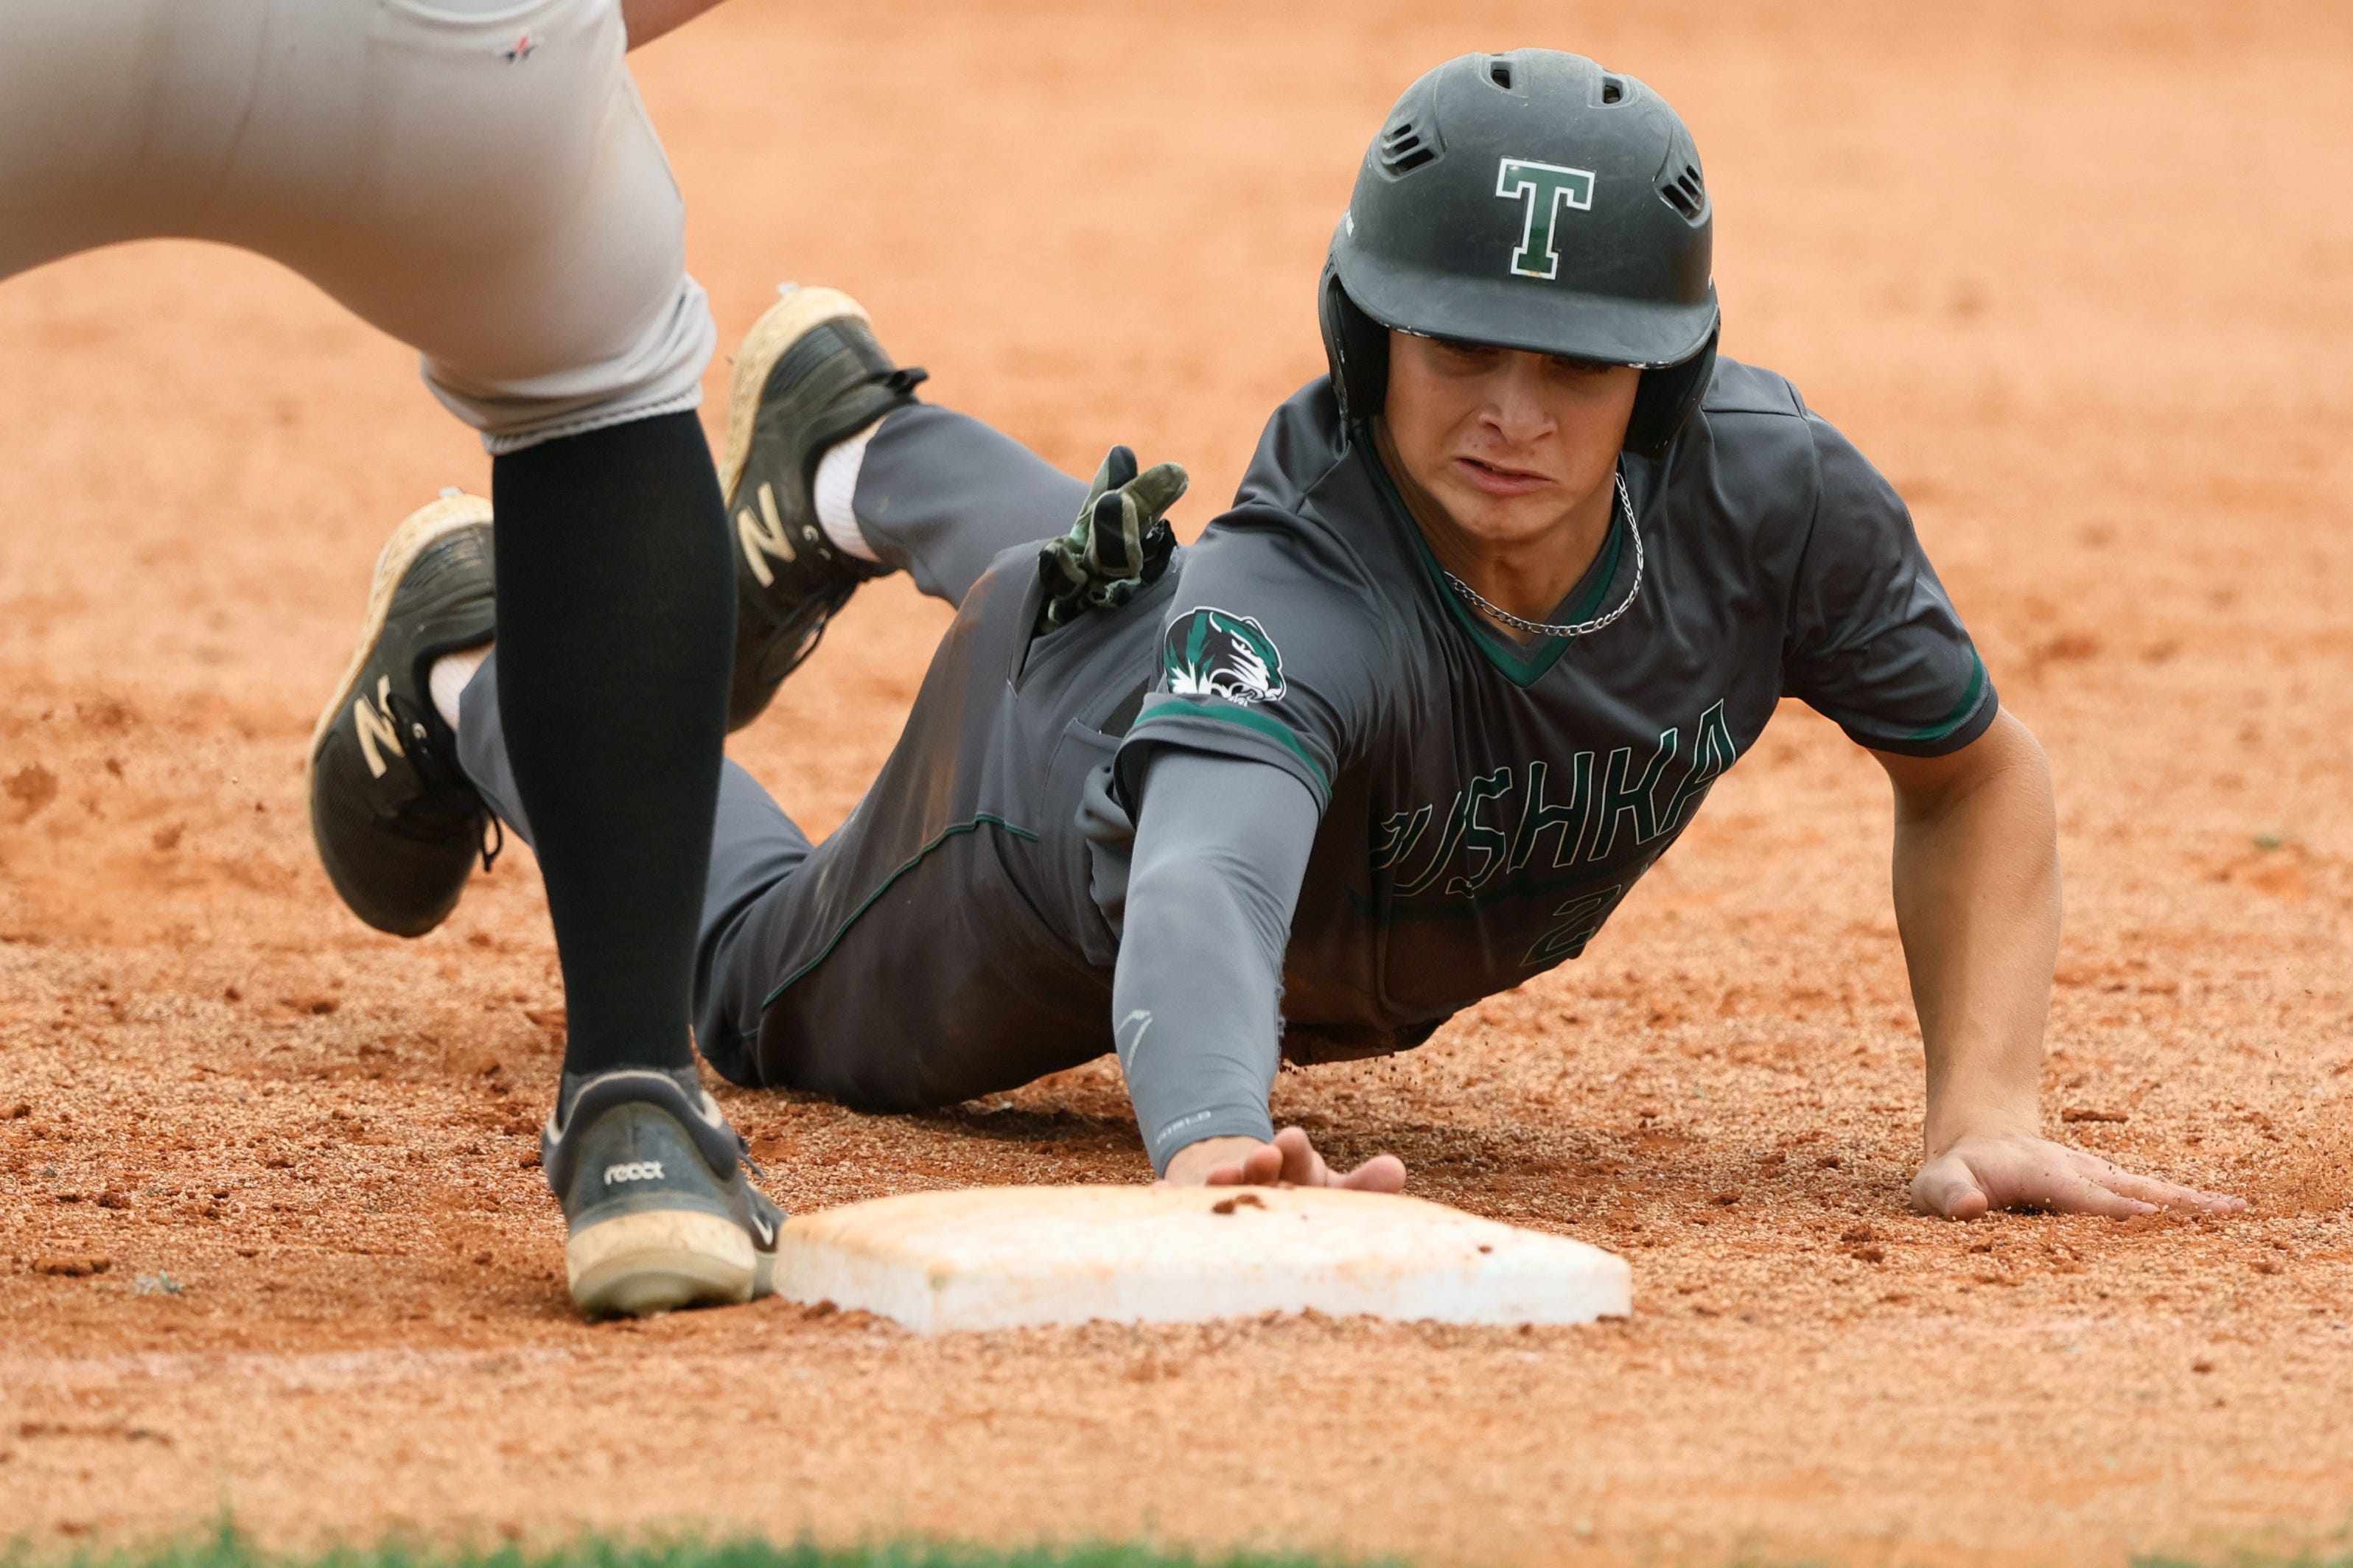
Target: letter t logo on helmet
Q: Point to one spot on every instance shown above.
(1544, 187)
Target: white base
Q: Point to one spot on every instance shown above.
(1005, 1258)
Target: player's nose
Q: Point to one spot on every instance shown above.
(1517, 409)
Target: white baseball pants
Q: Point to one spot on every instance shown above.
(475, 177)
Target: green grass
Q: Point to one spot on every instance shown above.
(227, 1547)
(2341, 1558)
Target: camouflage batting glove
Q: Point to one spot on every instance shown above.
(1120, 544)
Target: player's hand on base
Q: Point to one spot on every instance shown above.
(2009, 1171)
(1291, 1161)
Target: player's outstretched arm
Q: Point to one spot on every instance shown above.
(1977, 900)
(1221, 845)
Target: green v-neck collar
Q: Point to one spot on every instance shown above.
(1521, 666)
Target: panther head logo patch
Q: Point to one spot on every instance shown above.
(1215, 653)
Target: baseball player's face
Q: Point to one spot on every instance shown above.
(1511, 444)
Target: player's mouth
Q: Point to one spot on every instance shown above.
(1498, 479)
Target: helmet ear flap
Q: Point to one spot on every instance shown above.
(1666, 399)
(1358, 348)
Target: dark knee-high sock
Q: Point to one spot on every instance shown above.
(616, 626)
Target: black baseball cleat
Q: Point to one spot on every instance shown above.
(653, 1186)
(397, 823)
(809, 373)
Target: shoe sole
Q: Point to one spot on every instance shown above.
(662, 1260)
(417, 532)
(781, 326)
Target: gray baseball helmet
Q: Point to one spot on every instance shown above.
(1530, 200)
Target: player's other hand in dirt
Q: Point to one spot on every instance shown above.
(2017, 1170)
(1291, 1161)
(1976, 901)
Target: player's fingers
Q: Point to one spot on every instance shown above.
(2164, 1194)
(1302, 1165)
(1117, 469)
(1104, 485)
(1158, 487)
(1112, 544)
(1262, 1167)
(2131, 1184)
(1948, 1187)
(1381, 1174)
(2070, 1193)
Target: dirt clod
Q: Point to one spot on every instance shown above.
(32, 788)
(73, 1265)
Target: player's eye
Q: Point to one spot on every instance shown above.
(1467, 355)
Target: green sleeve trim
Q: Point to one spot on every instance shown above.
(1159, 708)
(979, 820)
(1961, 710)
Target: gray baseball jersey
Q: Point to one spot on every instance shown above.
(1485, 804)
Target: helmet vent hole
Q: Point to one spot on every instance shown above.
(1685, 193)
(1499, 73)
(1402, 148)
(1612, 90)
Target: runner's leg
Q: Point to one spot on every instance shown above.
(940, 495)
(924, 998)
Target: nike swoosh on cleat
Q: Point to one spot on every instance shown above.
(767, 1232)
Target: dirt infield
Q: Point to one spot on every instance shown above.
(2079, 278)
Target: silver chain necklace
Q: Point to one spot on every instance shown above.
(1548, 629)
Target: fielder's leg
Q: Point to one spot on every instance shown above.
(647, 1167)
(477, 178)
(520, 226)
(613, 619)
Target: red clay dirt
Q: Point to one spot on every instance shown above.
(2077, 278)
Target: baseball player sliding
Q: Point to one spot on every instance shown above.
(477, 178)
(1500, 598)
